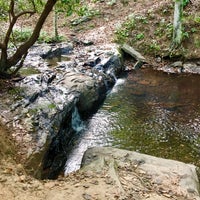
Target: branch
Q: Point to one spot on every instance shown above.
(28, 12)
(13, 19)
(11, 10)
(2, 46)
(33, 3)
(24, 13)
(20, 64)
(9, 31)
(25, 46)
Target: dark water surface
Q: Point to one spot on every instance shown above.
(150, 112)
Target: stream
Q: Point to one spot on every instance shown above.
(149, 112)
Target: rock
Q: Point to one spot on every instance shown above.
(80, 20)
(87, 42)
(180, 67)
(137, 65)
(191, 68)
(177, 64)
(47, 101)
(168, 177)
(87, 196)
(61, 49)
(132, 52)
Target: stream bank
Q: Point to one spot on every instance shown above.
(42, 111)
(41, 106)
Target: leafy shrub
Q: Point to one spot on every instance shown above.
(21, 35)
(46, 38)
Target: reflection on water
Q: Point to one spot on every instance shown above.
(153, 113)
(52, 62)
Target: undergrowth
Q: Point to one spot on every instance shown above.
(152, 32)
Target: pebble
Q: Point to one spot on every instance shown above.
(87, 196)
(22, 178)
(95, 182)
(2, 180)
(86, 186)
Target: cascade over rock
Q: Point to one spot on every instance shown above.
(46, 100)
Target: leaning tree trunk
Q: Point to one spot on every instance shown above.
(177, 26)
(55, 24)
(5, 62)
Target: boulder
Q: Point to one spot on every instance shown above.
(42, 114)
(139, 174)
(191, 68)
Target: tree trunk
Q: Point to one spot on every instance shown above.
(23, 49)
(177, 26)
(55, 24)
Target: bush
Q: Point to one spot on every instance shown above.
(20, 35)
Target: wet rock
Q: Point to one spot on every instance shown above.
(181, 67)
(191, 68)
(87, 42)
(92, 61)
(47, 102)
(61, 49)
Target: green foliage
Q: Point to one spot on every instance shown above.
(4, 6)
(125, 30)
(193, 30)
(28, 71)
(185, 35)
(154, 47)
(141, 19)
(16, 92)
(67, 6)
(20, 35)
(112, 2)
(51, 106)
(122, 32)
(20, 6)
(197, 43)
(169, 30)
(197, 19)
(46, 38)
(164, 29)
(185, 2)
(86, 11)
(140, 36)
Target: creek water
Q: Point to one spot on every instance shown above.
(149, 112)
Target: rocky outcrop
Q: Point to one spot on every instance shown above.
(140, 176)
(47, 101)
(135, 54)
(192, 67)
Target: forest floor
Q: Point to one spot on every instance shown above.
(14, 182)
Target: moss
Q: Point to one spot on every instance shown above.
(26, 71)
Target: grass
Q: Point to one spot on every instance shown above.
(22, 35)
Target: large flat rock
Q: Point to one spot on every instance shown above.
(140, 176)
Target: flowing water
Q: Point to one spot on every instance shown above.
(150, 112)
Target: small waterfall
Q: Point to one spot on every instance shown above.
(112, 73)
(77, 123)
